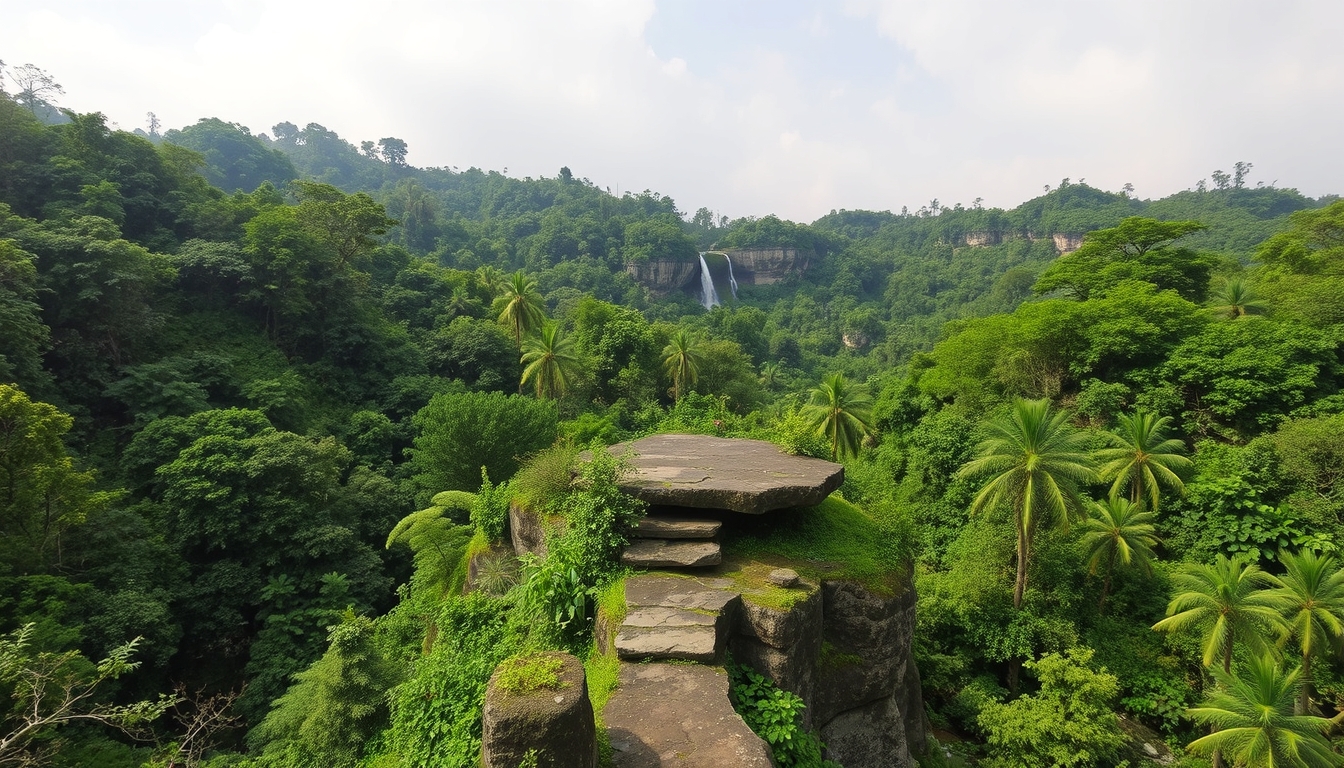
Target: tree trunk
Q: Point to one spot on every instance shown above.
(1019, 589)
(1304, 695)
(1106, 585)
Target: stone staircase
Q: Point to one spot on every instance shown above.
(666, 711)
(675, 618)
(670, 541)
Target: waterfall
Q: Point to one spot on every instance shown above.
(708, 296)
(732, 281)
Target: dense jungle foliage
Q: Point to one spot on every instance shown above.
(260, 394)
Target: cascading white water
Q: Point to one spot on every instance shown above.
(732, 281)
(709, 297)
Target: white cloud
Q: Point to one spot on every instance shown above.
(952, 99)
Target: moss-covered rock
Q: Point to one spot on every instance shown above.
(538, 706)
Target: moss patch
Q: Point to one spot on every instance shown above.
(750, 578)
(833, 540)
(530, 672)
(832, 658)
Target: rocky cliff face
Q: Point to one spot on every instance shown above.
(765, 266)
(664, 277)
(847, 653)
(1065, 242)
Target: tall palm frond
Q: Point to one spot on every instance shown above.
(1310, 595)
(1227, 602)
(1118, 532)
(1142, 458)
(519, 308)
(1255, 727)
(550, 360)
(842, 412)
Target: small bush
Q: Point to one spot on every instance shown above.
(545, 479)
(775, 715)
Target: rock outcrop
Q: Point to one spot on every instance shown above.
(1067, 242)
(664, 276)
(766, 266)
(749, 476)
(555, 724)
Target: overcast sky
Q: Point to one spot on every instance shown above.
(747, 108)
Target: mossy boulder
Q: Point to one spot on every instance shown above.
(537, 706)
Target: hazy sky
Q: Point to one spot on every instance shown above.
(746, 108)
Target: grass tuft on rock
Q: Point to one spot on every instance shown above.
(531, 672)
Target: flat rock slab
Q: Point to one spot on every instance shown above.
(672, 592)
(660, 616)
(685, 643)
(678, 715)
(661, 553)
(703, 472)
(668, 527)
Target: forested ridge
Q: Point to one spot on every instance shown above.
(261, 393)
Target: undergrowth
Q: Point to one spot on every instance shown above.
(776, 716)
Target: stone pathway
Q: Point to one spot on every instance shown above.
(679, 715)
(670, 714)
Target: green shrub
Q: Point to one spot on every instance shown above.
(460, 433)
(1069, 722)
(490, 510)
(775, 715)
(545, 478)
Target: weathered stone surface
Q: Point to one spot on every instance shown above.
(793, 670)
(783, 644)
(678, 714)
(674, 592)
(527, 532)
(662, 616)
(663, 276)
(686, 643)
(871, 736)
(558, 724)
(670, 527)
(661, 553)
(766, 266)
(783, 577)
(704, 472)
(867, 638)
(786, 629)
(671, 618)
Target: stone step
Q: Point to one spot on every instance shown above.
(662, 553)
(671, 618)
(678, 714)
(671, 527)
(684, 643)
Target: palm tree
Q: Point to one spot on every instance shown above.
(1235, 300)
(1037, 461)
(550, 360)
(1122, 532)
(519, 307)
(682, 359)
(1142, 458)
(770, 374)
(1311, 598)
(1251, 716)
(1227, 601)
(842, 412)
